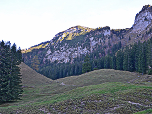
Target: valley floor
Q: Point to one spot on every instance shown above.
(97, 92)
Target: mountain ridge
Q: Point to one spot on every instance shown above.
(73, 44)
(146, 7)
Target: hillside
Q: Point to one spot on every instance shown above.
(68, 48)
(31, 78)
(99, 91)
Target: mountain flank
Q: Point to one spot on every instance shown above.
(79, 40)
(64, 55)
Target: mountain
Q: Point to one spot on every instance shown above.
(74, 43)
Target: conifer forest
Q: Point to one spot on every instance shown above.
(10, 78)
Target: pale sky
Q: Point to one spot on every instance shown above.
(30, 22)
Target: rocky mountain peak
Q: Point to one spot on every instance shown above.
(146, 7)
(70, 33)
(143, 19)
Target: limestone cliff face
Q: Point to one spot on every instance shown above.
(66, 51)
(143, 19)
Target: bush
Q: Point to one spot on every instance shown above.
(95, 69)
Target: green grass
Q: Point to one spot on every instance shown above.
(100, 91)
(148, 111)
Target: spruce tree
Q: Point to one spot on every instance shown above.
(125, 59)
(2, 71)
(86, 67)
(149, 58)
(144, 58)
(6, 73)
(119, 60)
(131, 59)
(114, 62)
(107, 62)
(15, 83)
(10, 88)
(136, 46)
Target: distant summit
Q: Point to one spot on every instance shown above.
(146, 7)
(70, 33)
(143, 19)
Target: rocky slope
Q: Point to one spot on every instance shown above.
(65, 50)
(143, 19)
(78, 40)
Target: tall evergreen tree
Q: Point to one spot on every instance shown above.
(86, 67)
(149, 58)
(144, 58)
(15, 79)
(19, 56)
(107, 62)
(10, 81)
(125, 59)
(114, 62)
(119, 60)
(131, 60)
(136, 46)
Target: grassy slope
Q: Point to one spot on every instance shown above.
(100, 91)
(31, 77)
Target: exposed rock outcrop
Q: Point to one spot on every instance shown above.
(143, 19)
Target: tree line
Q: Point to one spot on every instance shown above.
(136, 57)
(10, 77)
(55, 70)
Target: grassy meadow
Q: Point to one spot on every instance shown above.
(97, 92)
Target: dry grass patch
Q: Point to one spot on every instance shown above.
(31, 78)
(98, 77)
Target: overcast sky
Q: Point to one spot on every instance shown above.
(30, 22)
